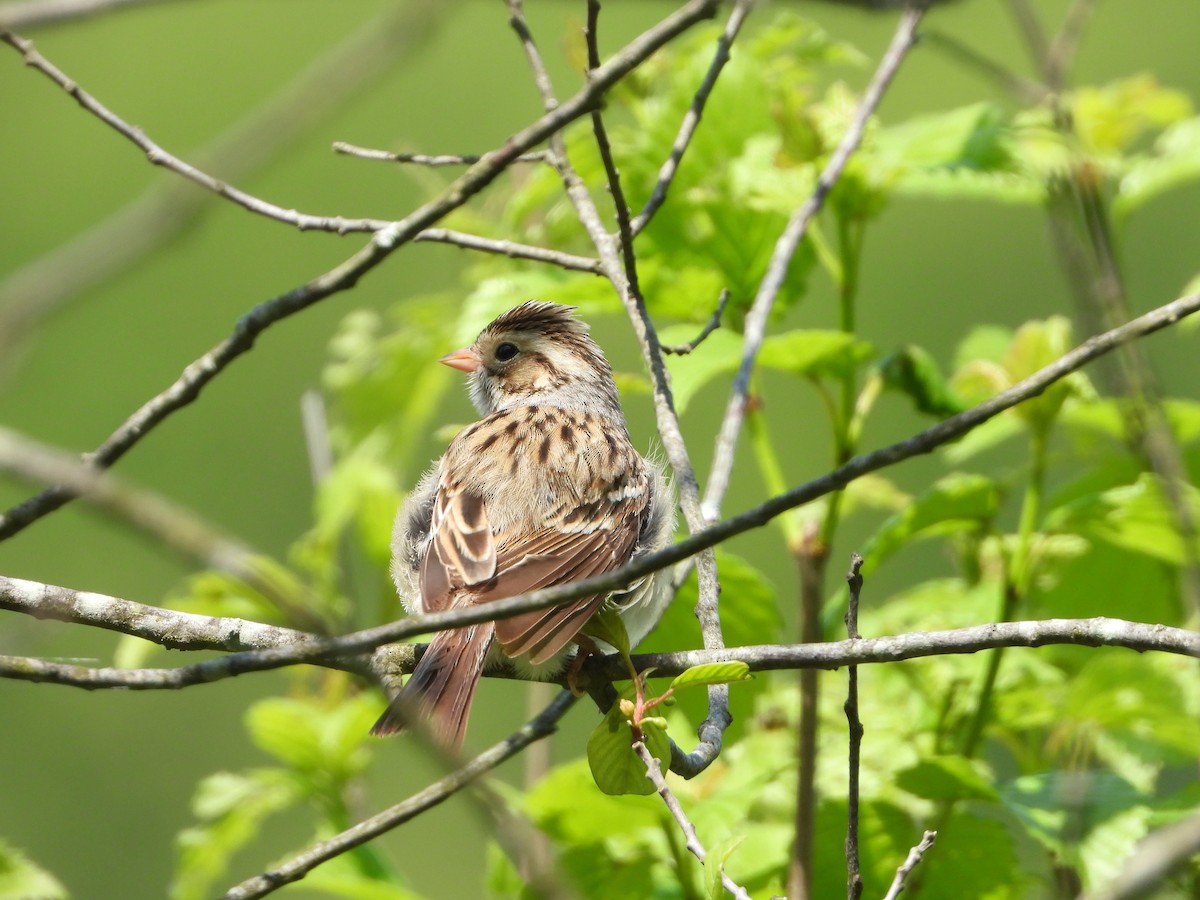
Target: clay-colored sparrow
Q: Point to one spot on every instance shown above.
(545, 489)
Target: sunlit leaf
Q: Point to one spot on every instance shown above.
(813, 352)
(1111, 117)
(948, 778)
(955, 502)
(616, 768)
(21, 879)
(231, 807)
(1136, 517)
(913, 371)
(712, 673)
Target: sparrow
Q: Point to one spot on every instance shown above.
(545, 489)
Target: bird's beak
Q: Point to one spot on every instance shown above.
(465, 360)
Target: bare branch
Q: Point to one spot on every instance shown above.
(691, 839)
(162, 520)
(1160, 854)
(923, 442)
(32, 13)
(111, 245)
(785, 249)
(304, 221)
(424, 159)
(691, 120)
(713, 324)
(914, 857)
(167, 627)
(294, 869)
(511, 249)
(347, 274)
(854, 882)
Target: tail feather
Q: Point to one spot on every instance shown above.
(442, 686)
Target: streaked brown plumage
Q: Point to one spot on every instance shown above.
(545, 489)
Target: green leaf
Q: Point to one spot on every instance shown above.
(568, 807)
(813, 352)
(616, 768)
(1135, 517)
(1053, 806)
(749, 615)
(232, 807)
(326, 743)
(978, 860)
(21, 879)
(1174, 163)
(712, 673)
(1036, 345)
(948, 778)
(1110, 118)
(957, 502)
(714, 866)
(913, 371)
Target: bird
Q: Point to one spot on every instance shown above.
(546, 488)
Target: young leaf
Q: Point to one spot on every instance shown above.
(1136, 517)
(956, 502)
(947, 778)
(21, 879)
(712, 673)
(231, 807)
(913, 371)
(615, 767)
(813, 352)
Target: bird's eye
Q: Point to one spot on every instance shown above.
(506, 351)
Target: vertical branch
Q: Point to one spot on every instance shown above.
(1082, 234)
(854, 882)
(619, 265)
(785, 249)
(811, 557)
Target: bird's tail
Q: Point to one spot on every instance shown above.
(442, 686)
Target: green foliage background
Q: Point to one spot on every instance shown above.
(101, 789)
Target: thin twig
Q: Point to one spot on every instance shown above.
(158, 156)
(785, 249)
(511, 249)
(828, 655)
(620, 267)
(1061, 52)
(691, 119)
(713, 324)
(303, 221)
(622, 271)
(1153, 860)
(295, 868)
(168, 205)
(383, 243)
(914, 857)
(163, 520)
(854, 882)
(425, 159)
(1026, 90)
(692, 840)
(32, 13)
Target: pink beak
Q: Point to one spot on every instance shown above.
(464, 360)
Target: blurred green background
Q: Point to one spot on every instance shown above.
(94, 786)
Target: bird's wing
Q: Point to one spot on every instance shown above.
(585, 540)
